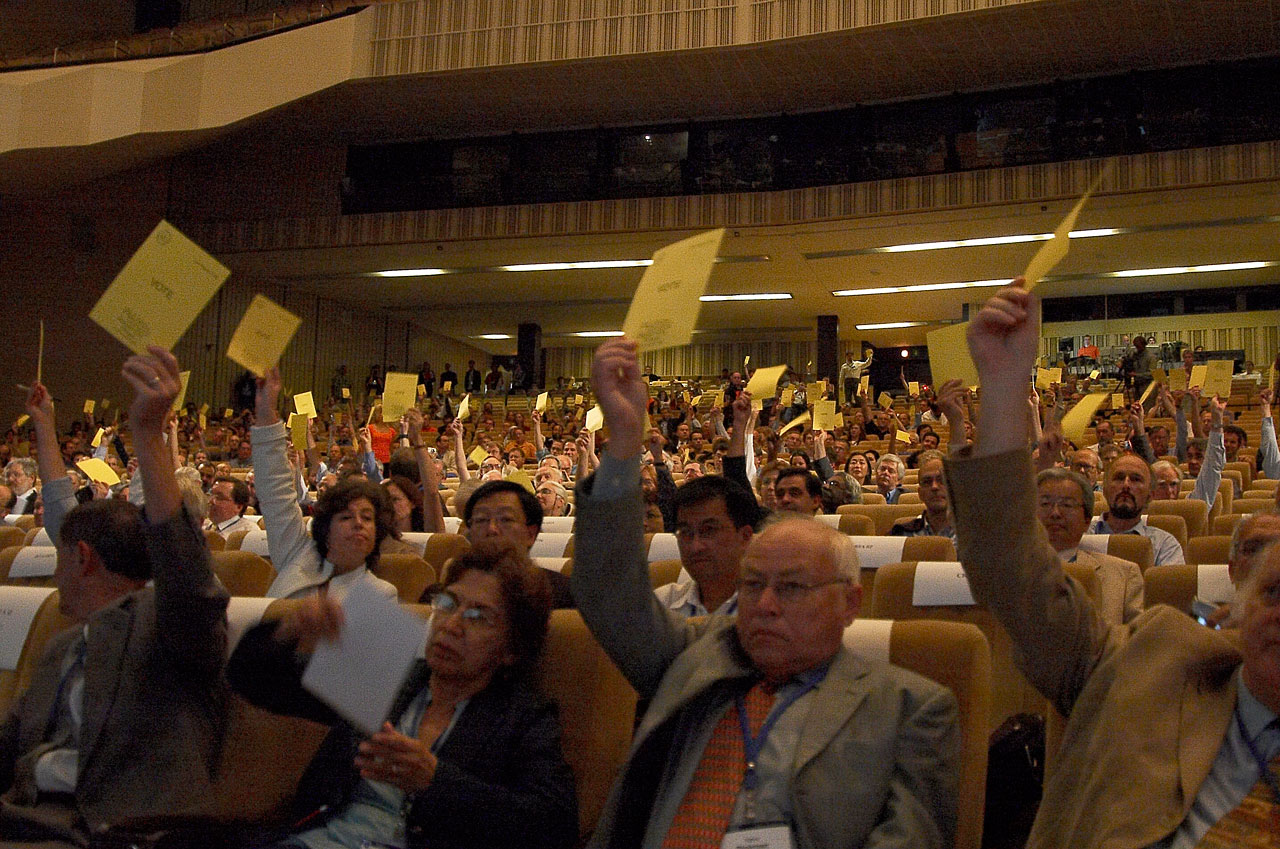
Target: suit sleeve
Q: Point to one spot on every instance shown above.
(538, 809)
(611, 578)
(921, 809)
(191, 603)
(269, 674)
(1016, 573)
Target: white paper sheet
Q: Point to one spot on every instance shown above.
(42, 538)
(557, 524)
(243, 613)
(359, 675)
(664, 547)
(1096, 543)
(869, 638)
(34, 562)
(551, 564)
(255, 542)
(940, 584)
(550, 545)
(18, 609)
(1213, 584)
(874, 552)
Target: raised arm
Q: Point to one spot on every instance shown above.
(459, 451)
(287, 537)
(1270, 451)
(428, 474)
(949, 402)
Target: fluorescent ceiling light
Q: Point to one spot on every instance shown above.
(570, 266)
(1188, 269)
(891, 325)
(921, 287)
(591, 334)
(757, 296)
(410, 272)
(493, 336)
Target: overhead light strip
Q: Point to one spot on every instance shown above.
(890, 325)
(755, 296)
(583, 265)
(596, 334)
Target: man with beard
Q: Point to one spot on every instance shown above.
(1128, 491)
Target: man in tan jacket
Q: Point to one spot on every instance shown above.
(1169, 723)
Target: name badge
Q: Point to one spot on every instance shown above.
(774, 836)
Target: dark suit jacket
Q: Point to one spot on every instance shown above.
(154, 693)
(501, 780)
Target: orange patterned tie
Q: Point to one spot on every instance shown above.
(703, 816)
(1253, 824)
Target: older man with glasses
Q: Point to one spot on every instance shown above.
(762, 728)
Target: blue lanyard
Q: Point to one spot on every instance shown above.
(753, 746)
(1267, 775)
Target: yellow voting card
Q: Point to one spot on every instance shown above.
(913, 387)
(578, 399)
(786, 397)
(305, 404)
(204, 422)
(1198, 376)
(521, 477)
(89, 405)
(864, 384)
(1178, 380)
(824, 415)
(97, 437)
(814, 391)
(106, 402)
(796, 422)
(98, 470)
(949, 355)
(885, 401)
(1054, 251)
(422, 390)
(541, 404)
(1159, 375)
(22, 419)
(764, 383)
(595, 418)
(401, 393)
(263, 334)
(184, 377)
(664, 310)
(447, 387)
(839, 420)
(464, 409)
(1217, 379)
(1046, 377)
(228, 413)
(159, 292)
(1077, 420)
(478, 455)
(298, 430)
(1093, 375)
(40, 355)
(346, 393)
(1146, 393)
(1117, 401)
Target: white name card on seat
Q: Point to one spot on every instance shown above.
(1096, 543)
(243, 613)
(18, 609)
(557, 524)
(256, 543)
(552, 564)
(874, 552)
(417, 539)
(869, 638)
(42, 538)
(1213, 584)
(832, 520)
(452, 524)
(550, 545)
(940, 584)
(664, 547)
(34, 562)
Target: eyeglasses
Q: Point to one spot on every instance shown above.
(786, 591)
(705, 531)
(1065, 504)
(490, 467)
(500, 521)
(446, 603)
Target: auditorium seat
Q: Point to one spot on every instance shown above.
(1208, 549)
(441, 548)
(255, 542)
(893, 596)
(1132, 547)
(215, 541)
(1171, 523)
(1194, 513)
(11, 535)
(856, 526)
(1245, 506)
(882, 515)
(409, 573)
(558, 524)
(234, 539)
(663, 572)
(1245, 470)
(552, 545)
(872, 497)
(38, 562)
(243, 573)
(26, 522)
(1224, 525)
(904, 498)
(46, 622)
(957, 656)
(1179, 584)
(37, 536)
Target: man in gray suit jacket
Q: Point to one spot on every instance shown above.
(126, 711)
(853, 753)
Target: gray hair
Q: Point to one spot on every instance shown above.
(1056, 473)
(1165, 464)
(897, 461)
(26, 464)
(840, 547)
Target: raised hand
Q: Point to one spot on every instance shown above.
(1005, 335)
(155, 382)
(951, 400)
(622, 395)
(412, 420)
(268, 395)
